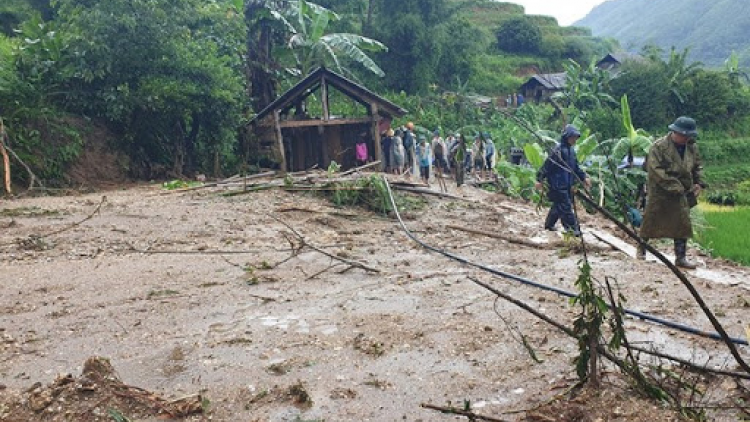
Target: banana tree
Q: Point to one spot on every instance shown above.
(636, 143)
(311, 45)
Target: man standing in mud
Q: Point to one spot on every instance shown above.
(561, 171)
(674, 182)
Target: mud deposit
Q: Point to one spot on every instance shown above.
(217, 301)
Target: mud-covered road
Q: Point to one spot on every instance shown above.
(196, 292)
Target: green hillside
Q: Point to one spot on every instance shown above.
(712, 29)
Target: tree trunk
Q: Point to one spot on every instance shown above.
(179, 150)
(190, 141)
(261, 81)
(367, 24)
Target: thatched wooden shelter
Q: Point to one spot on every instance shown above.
(541, 86)
(299, 141)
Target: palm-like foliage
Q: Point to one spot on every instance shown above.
(312, 46)
(734, 71)
(636, 143)
(586, 88)
(678, 70)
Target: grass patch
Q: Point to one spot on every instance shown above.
(725, 233)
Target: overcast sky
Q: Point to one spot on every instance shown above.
(566, 11)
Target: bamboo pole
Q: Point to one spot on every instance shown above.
(6, 159)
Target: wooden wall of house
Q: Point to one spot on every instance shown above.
(306, 147)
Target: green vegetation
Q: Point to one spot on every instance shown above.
(726, 234)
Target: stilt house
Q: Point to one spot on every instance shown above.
(301, 134)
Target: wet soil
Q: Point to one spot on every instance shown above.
(198, 293)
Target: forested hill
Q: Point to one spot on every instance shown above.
(712, 29)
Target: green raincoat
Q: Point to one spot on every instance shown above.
(670, 178)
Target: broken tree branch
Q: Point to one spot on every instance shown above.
(64, 229)
(465, 413)
(507, 238)
(304, 243)
(693, 291)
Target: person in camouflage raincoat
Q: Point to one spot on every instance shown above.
(674, 182)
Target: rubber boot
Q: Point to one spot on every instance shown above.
(550, 221)
(640, 252)
(680, 252)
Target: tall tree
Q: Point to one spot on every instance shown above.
(163, 71)
(413, 30)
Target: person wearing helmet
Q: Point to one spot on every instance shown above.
(673, 184)
(561, 171)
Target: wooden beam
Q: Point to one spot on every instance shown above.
(324, 99)
(375, 132)
(316, 122)
(280, 140)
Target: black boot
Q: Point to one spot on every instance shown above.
(550, 221)
(680, 252)
(640, 252)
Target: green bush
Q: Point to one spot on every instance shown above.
(726, 176)
(722, 198)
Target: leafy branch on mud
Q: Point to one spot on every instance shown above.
(303, 243)
(37, 241)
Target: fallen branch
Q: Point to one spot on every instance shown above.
(427, 191)
(360, 168)
(693, 292)
(465, 413)
(507, 238)
(70, 227)
(32, 176)
(304, 243)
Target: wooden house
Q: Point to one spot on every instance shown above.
(613, 61)
(298, 140)
(540, 87)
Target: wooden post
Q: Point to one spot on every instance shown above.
(6, 159)
(375, 132)
(324, 99)
(279, 139)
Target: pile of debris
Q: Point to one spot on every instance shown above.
(97, 395)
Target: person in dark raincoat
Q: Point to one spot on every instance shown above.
(673, 184)
(561, 171)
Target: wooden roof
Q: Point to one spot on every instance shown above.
(552, 81)
(619, 58)
(325, 76)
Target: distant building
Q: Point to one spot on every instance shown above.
(613, 61)
(540, 87)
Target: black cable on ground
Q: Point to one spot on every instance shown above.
(641, 315)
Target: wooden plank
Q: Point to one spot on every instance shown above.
(318, 122)
(324, 99)
(375, 132)
(280, 140)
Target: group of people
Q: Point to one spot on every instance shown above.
(404, 151)
(674, 182)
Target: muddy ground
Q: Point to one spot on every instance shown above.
(197, 293)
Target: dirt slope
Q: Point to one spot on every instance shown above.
(193, 292)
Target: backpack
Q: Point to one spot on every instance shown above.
(408, 140)
(439, 148)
